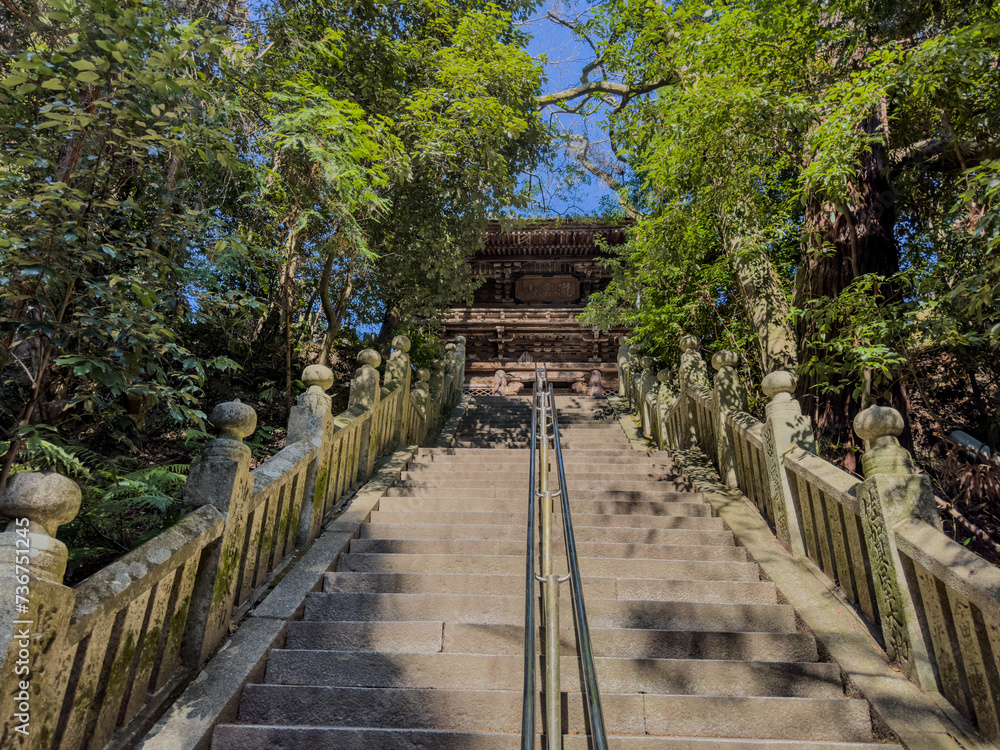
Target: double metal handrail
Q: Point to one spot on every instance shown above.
(543, 414)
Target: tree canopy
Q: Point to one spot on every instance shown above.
(189, 183)
(815, 183)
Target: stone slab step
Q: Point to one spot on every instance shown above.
(571, 444)
(501, 486)
(522, 454)
(639, 540)
(488, 424)
(671, 504)
(509, 610)
(250, 737)
(514, 564)
(513, 548)
(635, 520)
(721, 592)
(498, 672)
(500, 711)
(488, 473)
(450, 637)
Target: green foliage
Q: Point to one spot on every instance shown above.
(780, 125)
(123, 505)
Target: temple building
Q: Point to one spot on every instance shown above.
(538, 279)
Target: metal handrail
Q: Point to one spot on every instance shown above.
(543, 404)
(528, 706)
(598, 733)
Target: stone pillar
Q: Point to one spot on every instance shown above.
(693, 374)
(35, 606)
(421, 396)
(221, 478)
(450, 375)
(397, 375)
(728, 395)
(892, 492)
(437, 394)
(460, 349)
(311, 419)
(784, 427)
(647, 381)
(365, 394)
(623, 352)
(666, 397)
(634, 375)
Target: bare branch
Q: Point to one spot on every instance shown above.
(591, 88)
(580, 153)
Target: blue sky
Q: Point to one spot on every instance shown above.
(566, 56)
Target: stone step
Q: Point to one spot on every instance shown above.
(623, 589)
(509, 610)
(450, 637)
(637, 539)
(568, 447)
(487, 424)
(514, 564)
(500, 672)
(578, 494)
(479, 548)
(500, 711)
(672, 504)
(519, 474)
(497, 454)
(261, 737)
(635, 520)
(575, 485)
(518, 457)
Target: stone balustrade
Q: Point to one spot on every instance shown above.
(933, 604)
(83, 666)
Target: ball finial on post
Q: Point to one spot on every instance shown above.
(689, 342)
(234, 420)
(48, 500)
(369, 357)
(778, 385)
(724, 358)
(318, 376)
(401, 343)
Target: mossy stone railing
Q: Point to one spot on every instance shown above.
(86, 664)
(934, 604)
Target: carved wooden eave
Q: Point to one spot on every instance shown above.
(537, 280)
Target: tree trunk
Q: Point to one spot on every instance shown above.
(334, 315)
(764, 303)
(390, 322)
(860, 240)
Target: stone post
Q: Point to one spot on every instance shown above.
(365, 393)
(35, 606)
(728, 395)
(647, 381)
(221, 478)
(437, 391)
(397, 375)
(450, 375)
(460, 346)
(666, 397)
(784, 427)
(693, 374)
(421, 396)
(311, 419)
(635, 375)
(892, 492)
(623, 352)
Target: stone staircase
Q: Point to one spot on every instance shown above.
(417, 639)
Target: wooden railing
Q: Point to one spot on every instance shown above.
(89, 662)
(933, 604)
